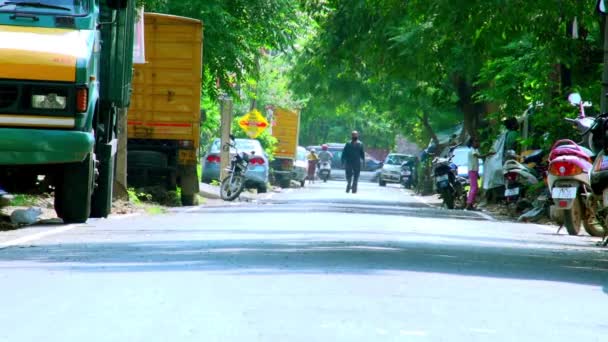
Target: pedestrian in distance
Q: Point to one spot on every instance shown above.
(313, 159)
(353, 156)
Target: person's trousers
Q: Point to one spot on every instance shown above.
(473, 176)
(352, 176)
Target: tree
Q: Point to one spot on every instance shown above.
(236, 31)
(470, 60)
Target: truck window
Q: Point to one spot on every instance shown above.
(75, 7)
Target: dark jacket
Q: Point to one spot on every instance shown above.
(353, 154)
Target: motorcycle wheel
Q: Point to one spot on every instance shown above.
(573, 218)
(592, 221)
(229, 191)
(448, 199)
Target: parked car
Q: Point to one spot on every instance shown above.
(300, 166)
(461, 159)
(391, 168)
(257, 171)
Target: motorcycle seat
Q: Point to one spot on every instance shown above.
(569, 150)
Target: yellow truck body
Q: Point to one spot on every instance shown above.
(286, 129)
(165, 116)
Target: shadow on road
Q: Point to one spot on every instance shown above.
(356, 206)
(303, 256)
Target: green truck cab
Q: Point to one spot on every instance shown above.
(65, 73)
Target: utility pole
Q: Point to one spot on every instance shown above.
(226, 121)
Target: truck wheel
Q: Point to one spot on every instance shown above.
(189, 200)
(302, 183)
(285, 183)
(102, 195)
(188, 182)
(73, 191)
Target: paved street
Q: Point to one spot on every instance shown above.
(311, 264)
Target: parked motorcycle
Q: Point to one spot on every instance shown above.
(570, 177)
(518, 176)
(324, 170)
(407, 174)
(234, 183)
(450, 186)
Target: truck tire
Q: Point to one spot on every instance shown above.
(285, 182)
(188, 182)
(73, 191)
(101, 205)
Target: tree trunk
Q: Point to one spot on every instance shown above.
(427, 125)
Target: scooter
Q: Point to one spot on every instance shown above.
(450, 186)
(324, 170)
(407, 175)
(569, 177)
(518, 175)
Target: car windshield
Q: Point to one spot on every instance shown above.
(395, 159)
(75, 7)
(243, 145)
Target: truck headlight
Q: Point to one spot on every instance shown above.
(49, 101)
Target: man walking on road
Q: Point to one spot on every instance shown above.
(353, 156)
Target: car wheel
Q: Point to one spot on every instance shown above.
(262, 189)
(381, 182)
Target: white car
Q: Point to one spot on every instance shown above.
(391, 169)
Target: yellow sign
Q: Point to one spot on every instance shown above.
(253, 123)
(286, 129)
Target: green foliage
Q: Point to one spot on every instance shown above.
(235, 32)
(24, 200)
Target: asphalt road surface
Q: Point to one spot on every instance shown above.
(311, 264)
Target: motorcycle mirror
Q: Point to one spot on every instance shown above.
(232, 137)
(575, 99)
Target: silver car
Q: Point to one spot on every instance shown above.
(391, 170)
(257, 171)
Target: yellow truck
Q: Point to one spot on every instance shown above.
(165, 116)
(286, 128)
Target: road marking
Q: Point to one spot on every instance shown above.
(422, 200)
(484, 215)
(38, 236)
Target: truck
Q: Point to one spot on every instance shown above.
(165, 116)
(65, 75)
(286, 129)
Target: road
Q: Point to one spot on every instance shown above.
(311, 264)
